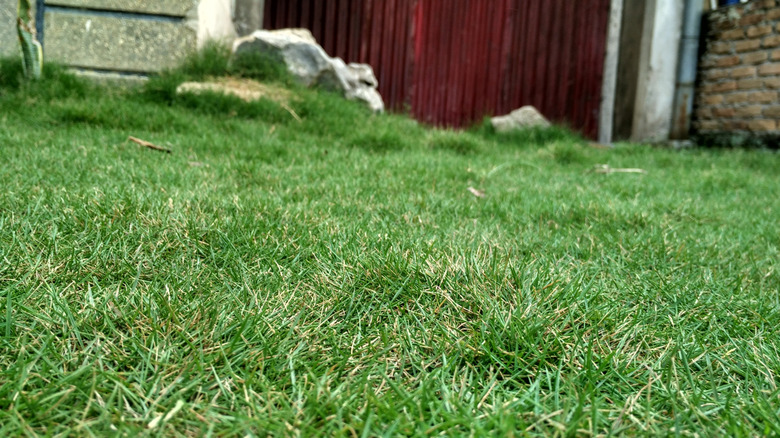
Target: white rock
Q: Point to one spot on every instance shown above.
(524, 117)
(310, 65)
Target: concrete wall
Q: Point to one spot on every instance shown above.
(130, 36)
(125, 35)
(739, 74)
(9, 44)
(111, 36)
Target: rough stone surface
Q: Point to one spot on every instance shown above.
(311, 66)
(524, 117)
(175, 8)
(100, 42)
(9, 44)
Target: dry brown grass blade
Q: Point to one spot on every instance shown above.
(604, 168)
(475, 192)
(149, 145)
(291, 111)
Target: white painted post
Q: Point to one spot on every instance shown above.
(658, 70)
(215, 21)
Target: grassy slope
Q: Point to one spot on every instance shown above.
(335, 276)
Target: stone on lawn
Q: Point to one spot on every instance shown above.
(310, 65)
(524, 117)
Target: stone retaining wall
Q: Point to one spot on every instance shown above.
(128, 36)
(739, 74)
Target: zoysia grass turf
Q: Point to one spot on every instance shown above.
(335, 276)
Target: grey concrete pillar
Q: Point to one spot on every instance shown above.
(658, 70)
(248, 16)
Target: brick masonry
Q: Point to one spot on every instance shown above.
(739, 73)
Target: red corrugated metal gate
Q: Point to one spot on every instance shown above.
(452, 62)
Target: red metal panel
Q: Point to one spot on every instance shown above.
(355, 20)
(467, 62)
(403, 21)
(306, 18)
(495, 61)
(385, 76)
(318, 17)
(451, 44)
(343, 12)
(454, 61)
(510, 15)
(375, 51)
(568, 48)
(412, 9)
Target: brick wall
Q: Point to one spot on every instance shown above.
(739, 73)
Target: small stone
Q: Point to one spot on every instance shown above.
(311, 66)
(524, 117)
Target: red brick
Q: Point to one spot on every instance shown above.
(750, 19)
(769, 69)
(723, 112)
(763, 97)
(772, 41)
(762, 125)
(747, 45)
(721, 47)
(707, 125)
(750, 84)
(772, 83)
(720, 24)
(754, 57)
(737, 98)
(721, 87)
(774, 14)
(733, 34)
(733, 125)
(707, 62)
(747, 112)
(742, 72)
(712, 99)
(715, 73)
(756, 31)
(772, 111)
(704, 113)
(727, 61)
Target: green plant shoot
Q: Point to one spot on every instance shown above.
(32, 52)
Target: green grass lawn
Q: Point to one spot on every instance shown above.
(335, 276)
